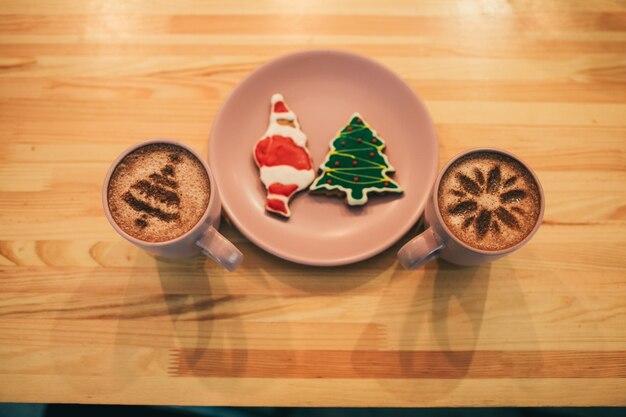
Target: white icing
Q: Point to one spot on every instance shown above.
(283, 198)
(284, 174)
(287, 212)
(287, 116)
(274, 128)
(277, 97)
(358, 202)
(296, 135)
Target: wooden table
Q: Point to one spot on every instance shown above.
(85, 317)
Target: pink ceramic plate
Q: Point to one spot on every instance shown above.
(324, 88)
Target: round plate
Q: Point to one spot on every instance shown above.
(324, 88)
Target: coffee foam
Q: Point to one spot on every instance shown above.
(489, 200)
(158, 192)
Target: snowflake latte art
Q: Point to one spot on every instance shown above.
(488, 200)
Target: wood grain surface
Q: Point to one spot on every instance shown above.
(87, 318)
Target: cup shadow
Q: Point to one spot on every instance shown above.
(187, 295)
(453, 292)
(435, 342)
(466, 286)
(191, 302)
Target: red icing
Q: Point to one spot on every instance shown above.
(349, 128)
(274, 204)
(279, 150)
(329, 181)
(282, 189)
(386, 184)
(359, 121)
(354, 162)
(371, 154)
(336, 163)
(359, 140)
(374, 140)
(356, 179)
(343, 143)
(279, 107)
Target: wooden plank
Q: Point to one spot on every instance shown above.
(367, 7)
(195, 112)
(308, 23)
(604, 89)
(307, 364)
(399, 364)
(604, 67)
(269, 46)
(318, 392)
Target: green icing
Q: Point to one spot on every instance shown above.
(356, 164)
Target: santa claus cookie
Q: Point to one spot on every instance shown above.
(284, 162)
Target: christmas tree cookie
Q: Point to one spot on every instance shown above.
(356, 164)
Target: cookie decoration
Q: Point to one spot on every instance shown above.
(284, 162)
(356, 164)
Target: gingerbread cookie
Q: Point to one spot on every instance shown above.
(284, 162)
(356, 165)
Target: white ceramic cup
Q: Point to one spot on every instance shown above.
(439, 241)
(202, 238)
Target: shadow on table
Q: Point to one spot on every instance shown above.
(329, 280)
(445, 309)
(187, 294)
(321, 280)
(204, 317)
(467, 287)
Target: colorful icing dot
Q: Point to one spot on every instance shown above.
(374, 140)
(386, 184)
(343, 143)
(349, 128)
(371, 154)
(356, 179)
(355, 163)
(336, 163)
(329, 181)
(359, 140)
(359, 121)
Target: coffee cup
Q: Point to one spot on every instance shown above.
(486, 203)
(161, 196)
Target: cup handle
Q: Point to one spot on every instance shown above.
(420, 249)
(218, 248)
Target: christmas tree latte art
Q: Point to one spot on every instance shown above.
(356, 164)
